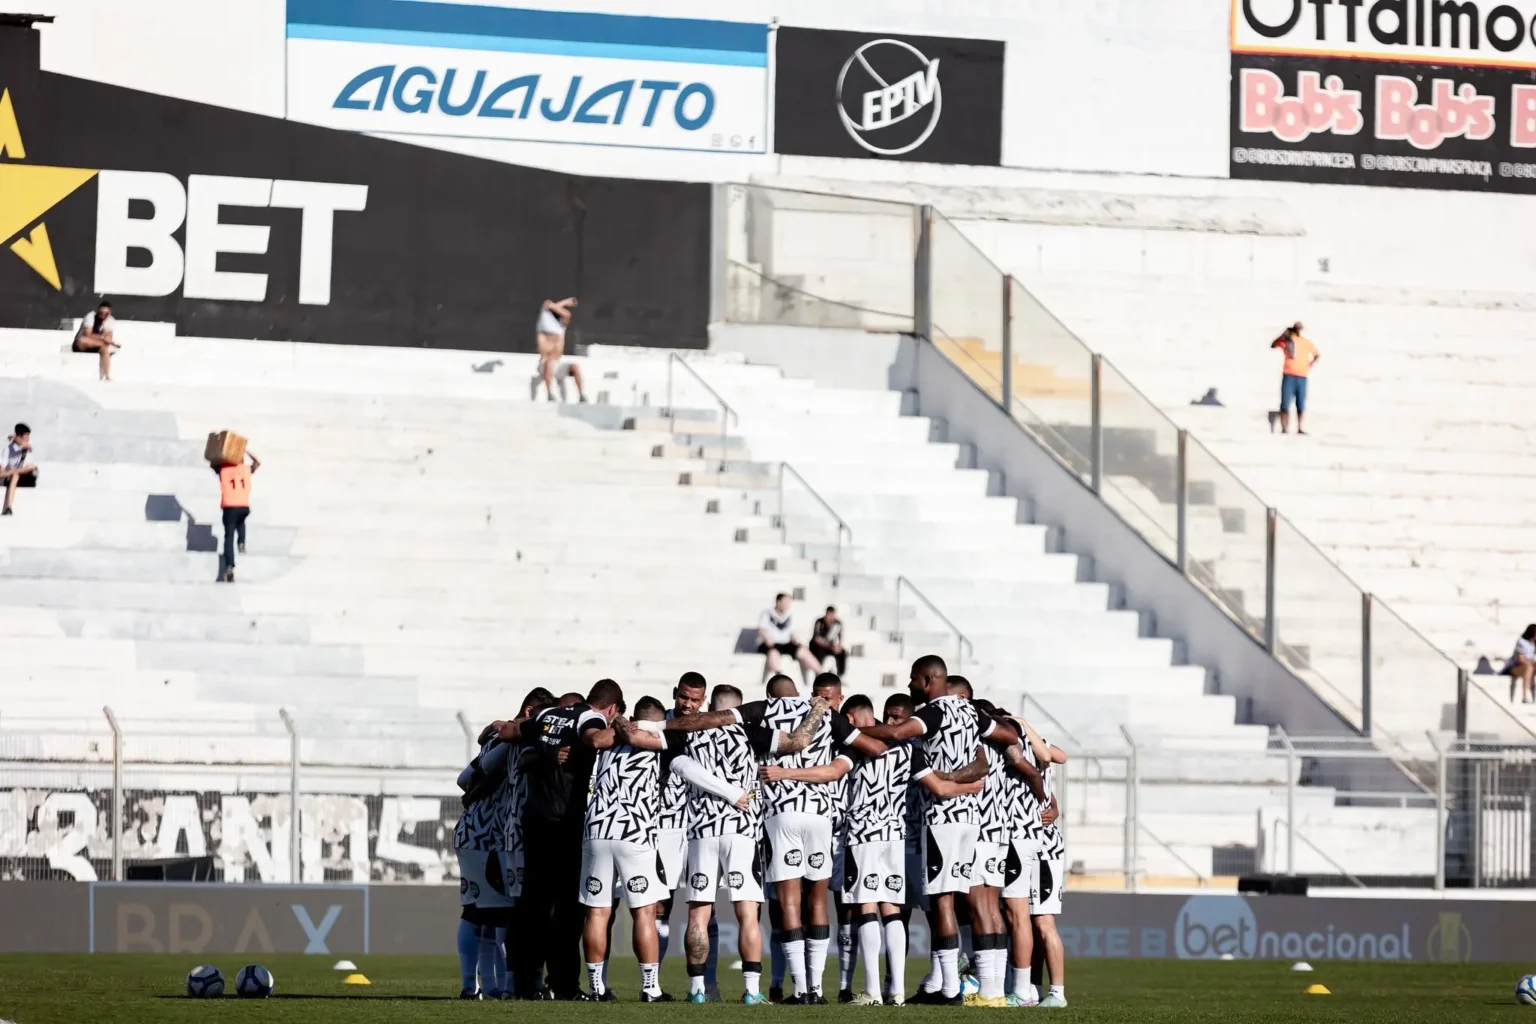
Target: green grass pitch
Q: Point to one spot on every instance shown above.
(145, 989)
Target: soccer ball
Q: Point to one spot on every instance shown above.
(969, 986)
(1525, 992)
(205, 982)
(253, 982)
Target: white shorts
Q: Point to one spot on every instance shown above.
(512, 871)
(1021, 868)
(724, 862)
(1050, 880)
(609, 862)
(839, 859)
(913, 851)
(799, 845)
(672, 848)
(877, 873)
(481, 882)
(990, 858)
(949, 853)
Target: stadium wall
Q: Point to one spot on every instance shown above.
(198, 918)
(233, 224)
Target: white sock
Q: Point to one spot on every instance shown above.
(999, 972)
(896, 955)
(846, 956)
(816, 961)
(794, 959)
(1057, 990)
(1034, 995)
(1021, 983)
(695, 983)
(650, 978)
(869, 949)
(750, 980)
(595, 978)
(934, 979)
(949, 969)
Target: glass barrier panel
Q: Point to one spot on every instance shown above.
(1225, 527)
(1052, 380)
(1141, 470)
(812, 260)
(1318, 621)
(966, 294)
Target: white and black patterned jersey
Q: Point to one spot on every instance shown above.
(731, 754)
(673, 815)
(482, 826)
(784, 714)
(993, 799)
(516, 797)
(877, 794)
(1052, 846)
(626, 791)
(951, 729)
(1023, 808)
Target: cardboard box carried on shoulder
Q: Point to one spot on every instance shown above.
(225, 448)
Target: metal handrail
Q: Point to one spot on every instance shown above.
(901, 635)
(1291, 830)
(842, 524)
(725, 407)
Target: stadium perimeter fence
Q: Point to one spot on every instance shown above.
(378, 804)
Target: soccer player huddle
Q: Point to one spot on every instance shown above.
(943, 804)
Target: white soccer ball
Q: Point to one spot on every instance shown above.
(205, 982)
(1525, 991)
(969, 986)
(253, 982)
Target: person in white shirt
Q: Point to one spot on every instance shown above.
(1521, 666)
(776, 637)
(554, 319)
(18, 470)
(95, 335)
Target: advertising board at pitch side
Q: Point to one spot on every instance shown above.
(1406, 93)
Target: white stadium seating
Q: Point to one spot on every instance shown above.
(426, 541)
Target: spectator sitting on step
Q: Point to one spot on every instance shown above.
(1521, 666)
(95, 335)
(1300, 356)
(19, 470)
(827, 641)
(775, 637)
(554, 318)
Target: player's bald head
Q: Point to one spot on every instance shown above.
(782, 686)
(724, 698)
(930, 678)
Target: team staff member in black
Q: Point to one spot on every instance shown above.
(558, 768)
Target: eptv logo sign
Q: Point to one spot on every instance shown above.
(28, 191)
(195, 268)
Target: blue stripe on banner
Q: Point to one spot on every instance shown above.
(516, 23)
(561, 47)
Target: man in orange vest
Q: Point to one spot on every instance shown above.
(235, 501)
(1300, 356)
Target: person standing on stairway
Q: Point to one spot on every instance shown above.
(235, 504)
(1300, 356)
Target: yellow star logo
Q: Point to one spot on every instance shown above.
(27, 192)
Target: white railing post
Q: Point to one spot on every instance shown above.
(117, 794)
(469, 736)
(1132, 793)
(1439, 812)
(295, 874)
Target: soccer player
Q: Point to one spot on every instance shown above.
(989, 940)
(798, 828)
(874, 877)
(672, 828)
(722, 838)
(951, 728)
(1023, 788)
(620, 838)
(512, 937)
(559, 773)
(1045, 900)
(477, 839)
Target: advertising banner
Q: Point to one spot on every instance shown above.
(491, 72)
(1416, 94)
(886, 97)
(235, 225)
